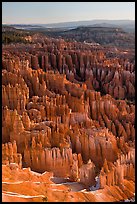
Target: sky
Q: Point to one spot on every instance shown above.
(56, 12)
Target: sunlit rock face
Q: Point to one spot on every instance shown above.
(10, 155)
(68, 114)
(114, 174)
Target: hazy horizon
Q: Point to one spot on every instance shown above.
(72, 21)
(61, 12)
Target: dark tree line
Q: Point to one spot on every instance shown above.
(14, 37)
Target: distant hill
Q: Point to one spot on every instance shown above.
(101, 32)
(13, 35)
(8, 28)
(112, 36)
(127, 25)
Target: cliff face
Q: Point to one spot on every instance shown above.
(69, 109)
(87, 174)
(46, 159)
(10, 155)
(114, 174)
(96, 144)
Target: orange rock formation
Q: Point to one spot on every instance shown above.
(67, 109)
